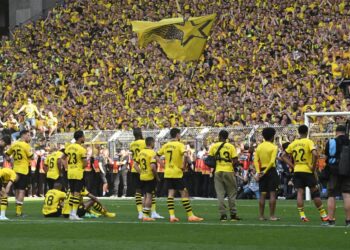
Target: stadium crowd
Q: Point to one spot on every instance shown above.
(83, 64)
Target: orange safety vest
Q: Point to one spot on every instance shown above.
(205, 169)
(88, 166)
(160, 166)
(7, 164)
(41, 170)
(96, 166)
(199, 165)
(115, 167)
(245, 160)
(131, 163)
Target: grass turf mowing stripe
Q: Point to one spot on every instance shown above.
(63, 221)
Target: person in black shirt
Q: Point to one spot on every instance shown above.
(336, 183)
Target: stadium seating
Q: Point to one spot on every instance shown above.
(263, 58)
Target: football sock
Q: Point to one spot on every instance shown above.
(171, 206)
(301, 212)
(138, 199)
(146, 212)
(153, 202)
(99, 208)
(74, 200)
(322, 211)
(187, 206)
(3, 206)
(19, 205)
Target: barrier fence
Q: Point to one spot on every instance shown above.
(198, 137)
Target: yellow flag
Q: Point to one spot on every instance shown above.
(180, 40)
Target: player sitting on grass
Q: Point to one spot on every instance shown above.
(53, 203)
(7, 178)
(147, 168)
(92, 206)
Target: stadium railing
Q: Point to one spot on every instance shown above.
(197, 137)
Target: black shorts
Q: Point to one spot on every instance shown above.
(337, 185)
(57, 214)
(135, 179)
(22, 182)
(302, 180)
(174, 183)
(75, 186)
(148, 186)
(51, 182)
(81, 211)
(269, 182)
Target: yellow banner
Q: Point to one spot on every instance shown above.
(180, 40)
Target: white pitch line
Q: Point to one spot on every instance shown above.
(233, 224)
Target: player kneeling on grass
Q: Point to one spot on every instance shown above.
(92, 206)
(147, 168)
(53, 202)
(7, 178)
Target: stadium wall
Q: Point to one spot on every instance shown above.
(17, 12)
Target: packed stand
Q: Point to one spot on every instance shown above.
(83, 64)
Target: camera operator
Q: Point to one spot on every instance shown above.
(251, 189)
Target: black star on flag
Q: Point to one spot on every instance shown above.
(180, 39)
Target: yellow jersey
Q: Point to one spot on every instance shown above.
(11, 124)
(52, 201)
(76, 155)
(301, 150)
(135, 148)
(174, 153)
(30, 110)
(22, 155)
(52, 162)
(7, 174)
(66, 207)
(227, 153)
(145, 160)
(265, 156)
(51, 122)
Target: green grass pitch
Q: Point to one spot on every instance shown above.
(126, 232)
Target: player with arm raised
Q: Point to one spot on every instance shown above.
(30, 110)
(175, 153)
(304, 155)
